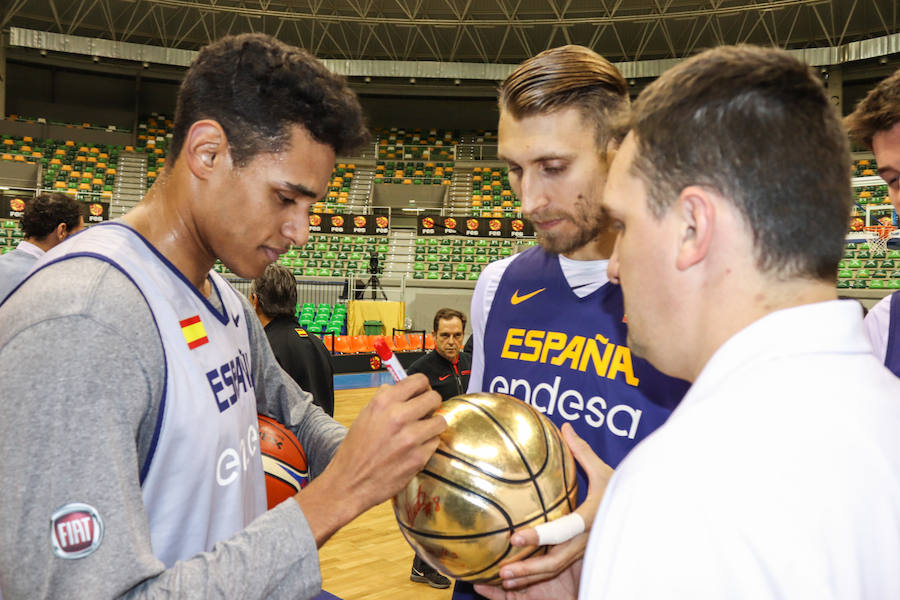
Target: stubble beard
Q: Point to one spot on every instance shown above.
(587, 229)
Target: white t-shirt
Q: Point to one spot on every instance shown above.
(778, 475)
(584, 277)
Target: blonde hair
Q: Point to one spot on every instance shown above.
(565, 77)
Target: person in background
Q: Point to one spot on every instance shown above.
(875, 124)
(304, 357)
(49, 219)
(448, 369)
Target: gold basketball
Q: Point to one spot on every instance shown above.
(501, 465)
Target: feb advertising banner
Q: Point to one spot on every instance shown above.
(95, 212)
(349, 224)
(14, 205)
(14, 208)
(508, 228)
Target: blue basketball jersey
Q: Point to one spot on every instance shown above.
(892, 356)
(567, 356)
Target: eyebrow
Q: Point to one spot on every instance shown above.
(542, 158)
(300, 189)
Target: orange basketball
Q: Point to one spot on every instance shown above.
(284, 461)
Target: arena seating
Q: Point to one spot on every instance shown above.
(862, 268)
(67, 166)
(417, 173)
(396, 143)
(492, 195)
(864, 167)
(10, 235)
(872, 194)
(323, 318)
(338, 196)
(67, 124)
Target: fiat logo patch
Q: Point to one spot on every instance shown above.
(75, 530)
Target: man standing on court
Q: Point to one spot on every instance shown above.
(304, 357)
(875, 124)
(48, 220)
(146, 370)
(548, 326)
(778, 475)
(447, 368)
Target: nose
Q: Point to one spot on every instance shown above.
(530, 193)
(296, 227)
(894, 195)
(612, 268)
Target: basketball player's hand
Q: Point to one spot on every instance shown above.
(390, 441)
(523, 573)
(562, 587)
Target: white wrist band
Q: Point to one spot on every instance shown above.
(560, 530)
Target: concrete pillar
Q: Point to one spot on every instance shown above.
(2, 76)
(834, 84)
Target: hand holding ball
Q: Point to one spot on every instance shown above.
(501, 465)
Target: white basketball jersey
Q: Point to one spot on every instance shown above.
(203, 478)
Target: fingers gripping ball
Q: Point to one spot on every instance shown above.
(501, 465)
(284, 461)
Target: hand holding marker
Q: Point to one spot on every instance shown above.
(390, 362)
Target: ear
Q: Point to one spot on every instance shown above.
(206, 148)
(61, 232)
(254, 300)
(696, 210)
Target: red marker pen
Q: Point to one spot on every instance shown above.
(390, 362)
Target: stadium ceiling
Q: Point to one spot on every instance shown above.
(475, 31)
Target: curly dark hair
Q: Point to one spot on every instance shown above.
(878, 111)
(45, 212)
(256, 87)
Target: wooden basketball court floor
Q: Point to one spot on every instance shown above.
(369, 558)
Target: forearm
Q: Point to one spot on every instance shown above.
(275, 557)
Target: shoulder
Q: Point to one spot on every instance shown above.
(82, 286)
(493, 271)
(423, 364)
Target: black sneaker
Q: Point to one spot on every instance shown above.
(422, 572)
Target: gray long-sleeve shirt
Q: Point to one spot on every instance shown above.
(81, 377)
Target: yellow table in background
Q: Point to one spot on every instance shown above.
(391, 314)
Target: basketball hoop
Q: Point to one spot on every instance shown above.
(877, 237)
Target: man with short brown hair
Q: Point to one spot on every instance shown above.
(761, 484)
(447, 368)
(875, 124)
(49, 219)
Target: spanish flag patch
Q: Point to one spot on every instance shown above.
(194, 332)
(301, 332)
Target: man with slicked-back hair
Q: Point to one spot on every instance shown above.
(548, 326)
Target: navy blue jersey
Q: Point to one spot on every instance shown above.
(567, 356)
(892, 355)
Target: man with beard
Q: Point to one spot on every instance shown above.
(548, 326)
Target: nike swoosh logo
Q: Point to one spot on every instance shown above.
(444, 377)
(516, 298)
